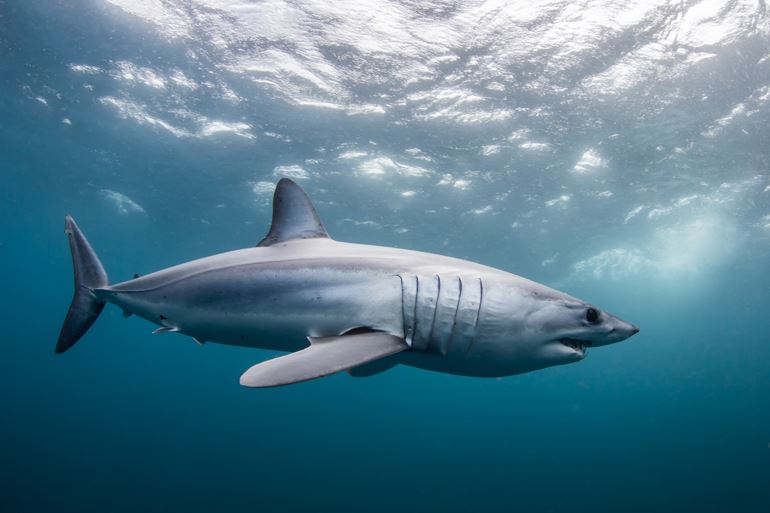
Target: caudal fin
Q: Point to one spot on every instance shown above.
(89, 275)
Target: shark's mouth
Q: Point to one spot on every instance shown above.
(579, 346)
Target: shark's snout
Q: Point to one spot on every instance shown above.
(619, 330)
(627, 329)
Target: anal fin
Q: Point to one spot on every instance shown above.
(324, 356)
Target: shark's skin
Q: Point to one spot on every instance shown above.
(453, 316)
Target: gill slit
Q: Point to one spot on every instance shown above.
(435, 310)
(457, 309)
(403, 309)
(416, 300)
(478, 316)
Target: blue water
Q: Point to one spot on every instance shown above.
(617, 151)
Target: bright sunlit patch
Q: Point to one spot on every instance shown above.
(482, 210)
(490, 149)
(228, 94)
(318, 104)
(171, 21)
(461, 183)
(86, 69)
(680, 203)
(723, 122)
(280, 63)
(589, 162)
(633, 70)
(222, 127)
(457, 183)
(633, 213)
(129, 72)
(695, 245)
(180, 79)
(727, 197)
(360, 110)
(376, 167)
(706, 23)
(368, 223)
(466, 116)
(537, 147)
(689, 236)
(687, 248)
(293, 171)
(380, 166)
(756, 103)
(263, 191)
(519, 135)
(123, 203)
(130, 110)
(550, 260)
(561, 201)
(614, 264)
(276, 135)
(420, 54)
(446, 95)
(417, 153)
(352, 154)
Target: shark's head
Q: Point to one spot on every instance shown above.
(526, 326)
(566, 327)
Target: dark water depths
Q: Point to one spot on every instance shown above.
(618, 152)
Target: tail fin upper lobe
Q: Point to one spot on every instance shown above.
(89, 274)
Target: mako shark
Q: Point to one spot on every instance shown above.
(362, 308)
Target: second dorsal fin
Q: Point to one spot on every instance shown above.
(294, 216)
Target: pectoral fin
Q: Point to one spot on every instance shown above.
(324, 356)
(375, 367)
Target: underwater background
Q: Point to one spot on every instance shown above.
(616, 150)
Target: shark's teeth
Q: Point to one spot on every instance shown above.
(575, 345)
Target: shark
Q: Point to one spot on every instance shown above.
(337, 306)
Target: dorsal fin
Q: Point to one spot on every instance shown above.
(294, 216)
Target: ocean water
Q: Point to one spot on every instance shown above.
(619, 151)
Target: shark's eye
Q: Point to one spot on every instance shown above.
(592, 315)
